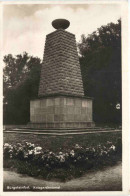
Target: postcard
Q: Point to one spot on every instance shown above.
(65, 98)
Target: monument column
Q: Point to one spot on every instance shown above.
(61, 102)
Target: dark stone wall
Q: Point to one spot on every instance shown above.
(61, 69)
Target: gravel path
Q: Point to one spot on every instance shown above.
(108, 179)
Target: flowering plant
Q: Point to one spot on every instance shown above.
(77, 155)
(34, 160)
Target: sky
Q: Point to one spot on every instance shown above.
(25, 26)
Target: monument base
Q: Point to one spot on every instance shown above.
(65, 125)
(61, 112)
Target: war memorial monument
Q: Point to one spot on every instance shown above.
(61, 103)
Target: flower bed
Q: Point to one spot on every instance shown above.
(35, 161)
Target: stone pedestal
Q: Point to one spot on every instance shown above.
(61, 112)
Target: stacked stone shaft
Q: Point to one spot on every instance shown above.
(61, 102)
(60, 72)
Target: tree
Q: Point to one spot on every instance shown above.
(100, 59)
(20, 84)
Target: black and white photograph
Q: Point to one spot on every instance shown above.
(62, 97)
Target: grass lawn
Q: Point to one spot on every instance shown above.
(62, 143)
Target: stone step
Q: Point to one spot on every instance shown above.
(58, 128)
(58, 133)
(62, 129)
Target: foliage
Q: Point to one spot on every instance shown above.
(100, 59)
(34, 160)
(20, 84)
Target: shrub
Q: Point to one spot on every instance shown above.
(34, 161)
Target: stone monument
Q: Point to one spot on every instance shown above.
(61, 103)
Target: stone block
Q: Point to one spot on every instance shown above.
(56, 118)
(57, 110)
(84, 103)
(89, 104)
(62, 101)
(70, 110)
(49, 118)
(70, 101)
(63, 110)
(50, 110)
(37, 104)
(44, 110)
(84, 117)
(77, 117)
(57, 101)
(44, 118)
(84, 110)
(50, 102)
(43, 103)
(59, 118)
(69, 117)
(32, 118)
(32, 111)
(77, 110)
(89, 116)
(37, 110)
(36, 118)
(60, 110)
(78, 102)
